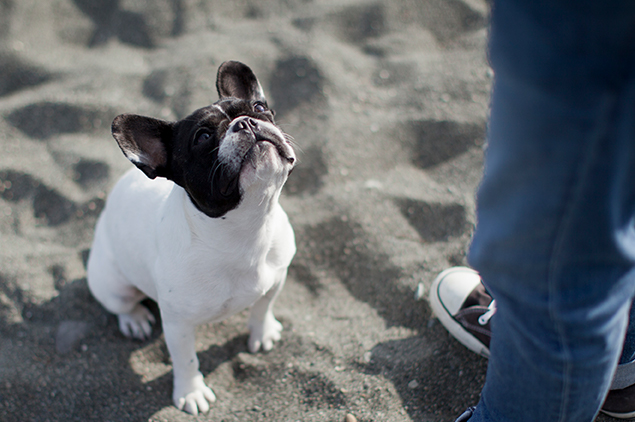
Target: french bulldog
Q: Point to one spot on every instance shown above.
(199, 229)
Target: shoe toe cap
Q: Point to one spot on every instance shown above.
(453, 286)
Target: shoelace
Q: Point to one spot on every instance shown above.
(491, 310)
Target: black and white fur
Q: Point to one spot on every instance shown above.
(201, 232)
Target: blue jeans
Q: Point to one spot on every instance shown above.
(555, 238)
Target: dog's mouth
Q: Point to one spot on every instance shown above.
(227, 186)
(260, 148)
(253, 158)
(251, 144)
(257, 146)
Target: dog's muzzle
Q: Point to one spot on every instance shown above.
(250, 132)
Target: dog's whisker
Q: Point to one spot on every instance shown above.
(214, 150)
(213, 174)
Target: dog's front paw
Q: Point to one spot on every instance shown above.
(264, 334)
(193, 396)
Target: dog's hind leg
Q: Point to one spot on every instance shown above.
(116, 294)
(123, 300)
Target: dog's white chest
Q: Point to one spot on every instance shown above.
(198, 269)
(209, 293)
(222, 268)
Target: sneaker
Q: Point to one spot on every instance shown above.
(620, 404)
(462, 304)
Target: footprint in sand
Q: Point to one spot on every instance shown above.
(44, 120)
(296, 80)
(88, 173)
(438, 141)
(49, 206)
(16, 74)
(434, 222)
(359, 23)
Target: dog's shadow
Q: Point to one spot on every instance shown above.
(67, 360)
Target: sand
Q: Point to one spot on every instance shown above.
(387, 103)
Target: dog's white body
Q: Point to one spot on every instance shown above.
(197, 269)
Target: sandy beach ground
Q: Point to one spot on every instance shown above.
(387, 102)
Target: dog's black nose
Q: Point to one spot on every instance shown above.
(245, 124)
(240, 125)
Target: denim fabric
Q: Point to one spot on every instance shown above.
(625, 372)
(628, 352)
(555, 238)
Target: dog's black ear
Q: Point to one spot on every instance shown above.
(144, 141)
(236, 79)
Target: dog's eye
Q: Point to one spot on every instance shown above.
(201, 137)
(260, 108)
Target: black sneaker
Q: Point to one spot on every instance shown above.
(460, 301)
(620, 403)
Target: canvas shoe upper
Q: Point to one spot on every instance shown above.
(462, 304)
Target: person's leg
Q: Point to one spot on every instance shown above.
(555, 239)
